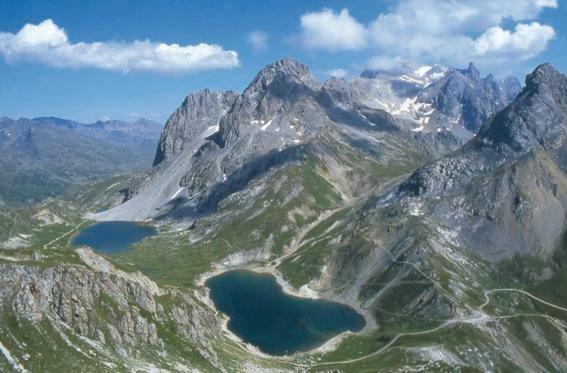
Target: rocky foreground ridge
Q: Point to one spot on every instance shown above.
(98, 314)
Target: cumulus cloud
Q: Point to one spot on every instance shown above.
(337, 73)
(454, 32)
(332, 31)
(49, 44)
(527, 39)
(258, 40)
(441, 30)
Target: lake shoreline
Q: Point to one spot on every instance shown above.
(304, 292)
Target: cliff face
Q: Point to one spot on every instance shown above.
(198, 112)
(436, 98)
(95, 311)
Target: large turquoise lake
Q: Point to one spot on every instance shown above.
(112, 236)
(277, 323)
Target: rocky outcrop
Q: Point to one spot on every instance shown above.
(197, 113)
(121, 311)
(502, 187)
(463, 98)
(275, 114)
(537, 118)
(437, 99)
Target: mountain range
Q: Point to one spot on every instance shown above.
(217, 141)
(44, 156)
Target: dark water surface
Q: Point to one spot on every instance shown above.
(112, 236)
(277, 323)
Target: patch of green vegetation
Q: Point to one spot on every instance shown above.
(175, 344)
(272, 221)
(540, 277)
(40, 348)
(18, 188)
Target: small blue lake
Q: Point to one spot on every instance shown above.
(277, 323)
(112, 237)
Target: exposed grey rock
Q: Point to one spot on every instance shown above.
(276, 113)
(436, 98)
(505, 189)
(274, 121)
(197, 112)
(100, 302)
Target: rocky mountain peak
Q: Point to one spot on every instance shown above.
(377, 73)
(204, 97)
(284, 66)
(511, 87)
(506, 181)
(537, 117)
(471, 72)
(546, 74)
(280, 75)
(279, 84)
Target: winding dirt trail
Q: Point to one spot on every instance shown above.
(46, 246)
(488, 292)
(469, 320)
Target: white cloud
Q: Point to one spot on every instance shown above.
(441, 31)
(258, 40)
(337, 73)
(332, 31)
(48, 43)
(489, 32)
(527, 39)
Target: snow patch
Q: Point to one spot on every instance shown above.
(421, 71)
(211, 130)
(265, 126)
(410, 80)
(406, 106)
(436, 76)
(176, 193)
(418, 129)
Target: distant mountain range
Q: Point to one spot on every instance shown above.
(43, 156)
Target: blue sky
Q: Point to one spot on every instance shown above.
(45, 71)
